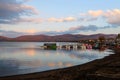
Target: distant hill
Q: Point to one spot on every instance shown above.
(65, 37)
(2, 38)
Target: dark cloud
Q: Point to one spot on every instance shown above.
(77, 30)
(87, 19)
(54, 32)
(89, 28)
(11, 10)
(85, 28)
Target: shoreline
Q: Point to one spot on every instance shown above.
(107, 68)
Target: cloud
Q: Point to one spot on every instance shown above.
(11, 33)
(67, 19)
(95, 13)
(87, 19)
(84, 28)
(11, 10)
(71, 19)
(71, 30)
(34, 20)
(88, 28)
(76, 29)
(111, 16)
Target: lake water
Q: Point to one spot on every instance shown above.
(27, 57)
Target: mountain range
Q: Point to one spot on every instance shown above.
(56, 38)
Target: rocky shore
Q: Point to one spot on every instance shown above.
(107, 68)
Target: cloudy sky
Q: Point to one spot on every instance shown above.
(53, 17)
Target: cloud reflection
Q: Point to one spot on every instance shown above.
(30, 52)
(39, 63)
(19, 59)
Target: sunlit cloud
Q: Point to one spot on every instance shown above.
(95, 13)
(30, 20)
(111, 16)
(31, 31)
(92, 13)
(11, 10)
(67, 19)
(29, 9)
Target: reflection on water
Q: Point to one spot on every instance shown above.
(21, 58)
(30, 52)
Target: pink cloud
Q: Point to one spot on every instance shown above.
(30, 8)
(111, 16)
(95, 13)
(67, 19)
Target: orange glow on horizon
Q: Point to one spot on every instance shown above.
(31, 31)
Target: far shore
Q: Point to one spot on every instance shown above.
(107, 68)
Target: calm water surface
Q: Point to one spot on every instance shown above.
(27, 57)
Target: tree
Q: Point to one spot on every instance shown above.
(118, 38)
(101, 38)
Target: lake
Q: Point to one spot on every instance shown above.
(27, 57)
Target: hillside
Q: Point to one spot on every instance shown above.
(65, 37)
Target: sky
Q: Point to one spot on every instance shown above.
(57, 17)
